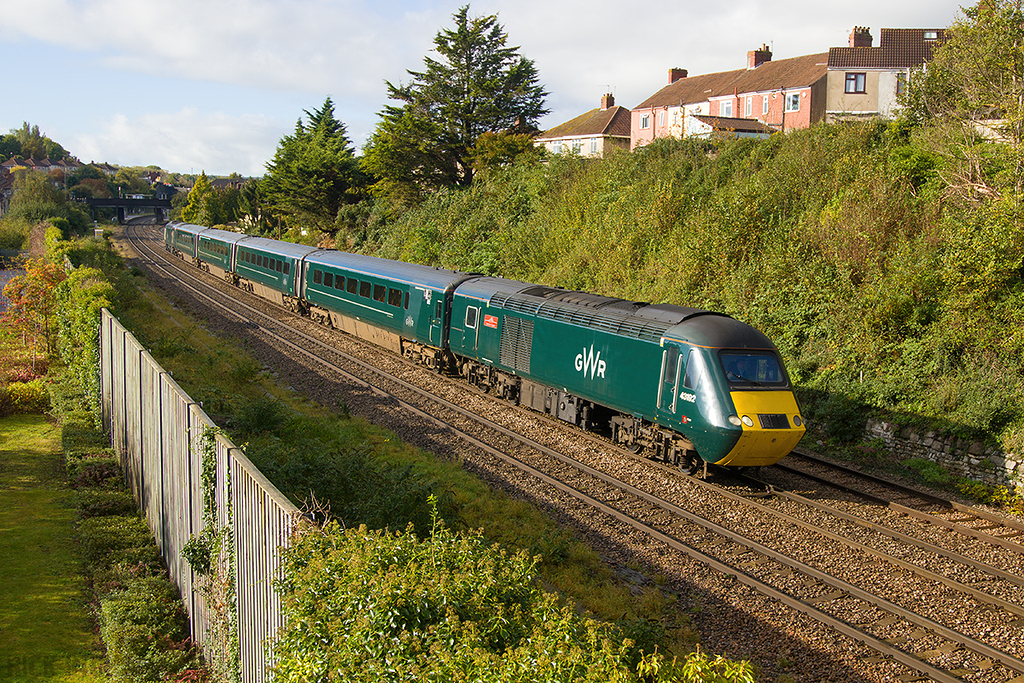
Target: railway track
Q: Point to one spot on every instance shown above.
(769, 550)
(911, 502)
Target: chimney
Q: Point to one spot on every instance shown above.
(756, 58)
(860, 36)
(676, 74)
(607, 101)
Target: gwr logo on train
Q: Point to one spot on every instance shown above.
(587, 362)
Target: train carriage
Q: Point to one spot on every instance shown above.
(180, 238)
(400, 306)
(270, 269)
(216, 249)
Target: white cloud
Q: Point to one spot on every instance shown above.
(185, 140)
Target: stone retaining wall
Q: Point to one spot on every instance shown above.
(971, 459)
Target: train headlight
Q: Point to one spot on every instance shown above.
(733, 420)
(797, 421)
(747, 421)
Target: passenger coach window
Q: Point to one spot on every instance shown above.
(394, 297)
(379, 293)
(353, 286)
(318, 277)
(339, 282)
(364, 289)
(287, 268)
(328, 279)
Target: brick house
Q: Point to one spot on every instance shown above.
(780, 95)
(592, 134)
(866, 81)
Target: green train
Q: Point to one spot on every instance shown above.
(682, 385)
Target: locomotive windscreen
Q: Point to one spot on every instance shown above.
(752, 369)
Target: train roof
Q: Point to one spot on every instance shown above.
(224, 235)
(720, 331)
(269, 246)
(188, 227)
(398, 271)
(620, 316)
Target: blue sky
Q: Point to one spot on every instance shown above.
(214, 85)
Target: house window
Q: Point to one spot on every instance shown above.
(661, 118)
(931, 35)
(576, 144)
(556, 148)
(750, 107)
(764, 105)
(593, 145)
(856, 83)
(645, 121)
(793, 102)
(725, 109)
(901, 83)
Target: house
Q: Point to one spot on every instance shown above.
(866, 81)
(780, 95)
(44, 165)
(234, 182)
(592, 134)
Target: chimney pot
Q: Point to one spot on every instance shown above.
(676, 74)
(756, 58)
(860, 36)
(607, 101)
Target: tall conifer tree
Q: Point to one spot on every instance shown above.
(478, 84)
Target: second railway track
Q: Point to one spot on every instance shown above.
(892, 617)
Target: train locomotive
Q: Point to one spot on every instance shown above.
(682, 385)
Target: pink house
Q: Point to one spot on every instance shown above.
(779, 95)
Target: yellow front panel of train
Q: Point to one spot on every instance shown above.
(763, 442)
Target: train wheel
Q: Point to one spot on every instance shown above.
(692, 464)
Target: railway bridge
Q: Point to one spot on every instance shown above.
(132, 205)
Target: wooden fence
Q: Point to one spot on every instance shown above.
(156, 429)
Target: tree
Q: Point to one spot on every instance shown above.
(37, 198)
(198, 209)
(977, 74)
(36, 145)
(314, 172)
(479, 85)
(31, 301)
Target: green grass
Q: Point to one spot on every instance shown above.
(45, 631)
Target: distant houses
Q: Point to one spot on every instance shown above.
(591, 134)
(766, 97)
